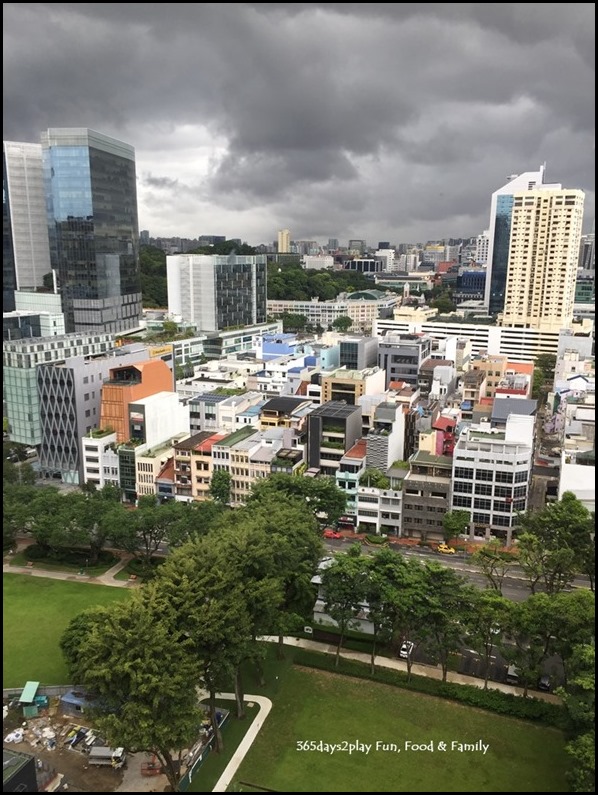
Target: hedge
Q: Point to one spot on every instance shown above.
(491, 700)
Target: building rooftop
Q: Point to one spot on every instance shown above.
(430, 364)
(207, 444)
(283, 405)
(236, 436)
(335, 408)
(193, 442)
(167, 471)
(209, 398)
(358, 450)
(422, 457)
(12, 762)
(503, 407)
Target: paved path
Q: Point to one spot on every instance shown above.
(265, 706)
(431, 671)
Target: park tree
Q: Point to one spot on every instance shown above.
(565, 542)
(142, 675)
(344, 585)
(579, 696)
(142, 531)
(321, 496)
(574, 615)
(448, 602)
(484, 624)
(342, 323)
(220, 486)
(529, 625)
(201, 596)
(294, 537)
(386, 573)
(494, 562)
(455, 524)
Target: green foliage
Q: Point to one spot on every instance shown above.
(375, 479)
(494, 563)
(455, 523)
(321, 495)
(556, 542)
(141, 671)
(220, 486)
(492, 700)
(292, 321)
(152, 263)
(290, 282)
(342, 323)
(344, 586)
(580, 701)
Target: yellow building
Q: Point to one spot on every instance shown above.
(348, 385)
(546, 230)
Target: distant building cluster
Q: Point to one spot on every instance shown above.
(441, 401)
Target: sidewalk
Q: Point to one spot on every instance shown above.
(107, 578)
(431, 671)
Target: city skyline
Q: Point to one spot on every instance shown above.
(385, 122)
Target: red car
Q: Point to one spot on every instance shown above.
(332, 533)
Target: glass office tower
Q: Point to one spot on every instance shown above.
(91, 199)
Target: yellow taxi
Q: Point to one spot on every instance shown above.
(445, 549)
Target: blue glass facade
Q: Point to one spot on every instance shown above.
(500, 256)
(94, 239)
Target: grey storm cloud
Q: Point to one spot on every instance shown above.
(384, 121)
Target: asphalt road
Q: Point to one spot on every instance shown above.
(514, 587)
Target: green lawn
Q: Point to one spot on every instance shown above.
(315, 706)
(36, 612)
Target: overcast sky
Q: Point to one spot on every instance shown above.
(387, 121)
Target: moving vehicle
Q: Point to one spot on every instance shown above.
(445, 549)
(330, 533)
(102, 755)
(406, 649)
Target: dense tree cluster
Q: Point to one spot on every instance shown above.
(195, 624)
(290, 282)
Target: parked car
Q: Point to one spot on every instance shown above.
(544, 683)
(512, 675)
(445, 549)
(330, 533)
(406, 649)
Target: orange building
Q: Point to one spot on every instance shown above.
(126, 385)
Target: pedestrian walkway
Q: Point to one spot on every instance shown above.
(107, 578)
(430, 671)
(265, 706)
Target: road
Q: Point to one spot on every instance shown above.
(514, 586)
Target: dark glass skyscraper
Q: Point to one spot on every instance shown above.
(92, 222)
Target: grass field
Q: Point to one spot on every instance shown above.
(314, 706)
(36, 612)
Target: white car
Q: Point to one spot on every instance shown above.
(406, 650)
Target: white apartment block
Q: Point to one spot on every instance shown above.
(492, 473)
(317, 263)
(100, 459)
(363, 312)
(26, 202)
(543, 255)
(518, 344)
(481, 247)
(379, 510)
